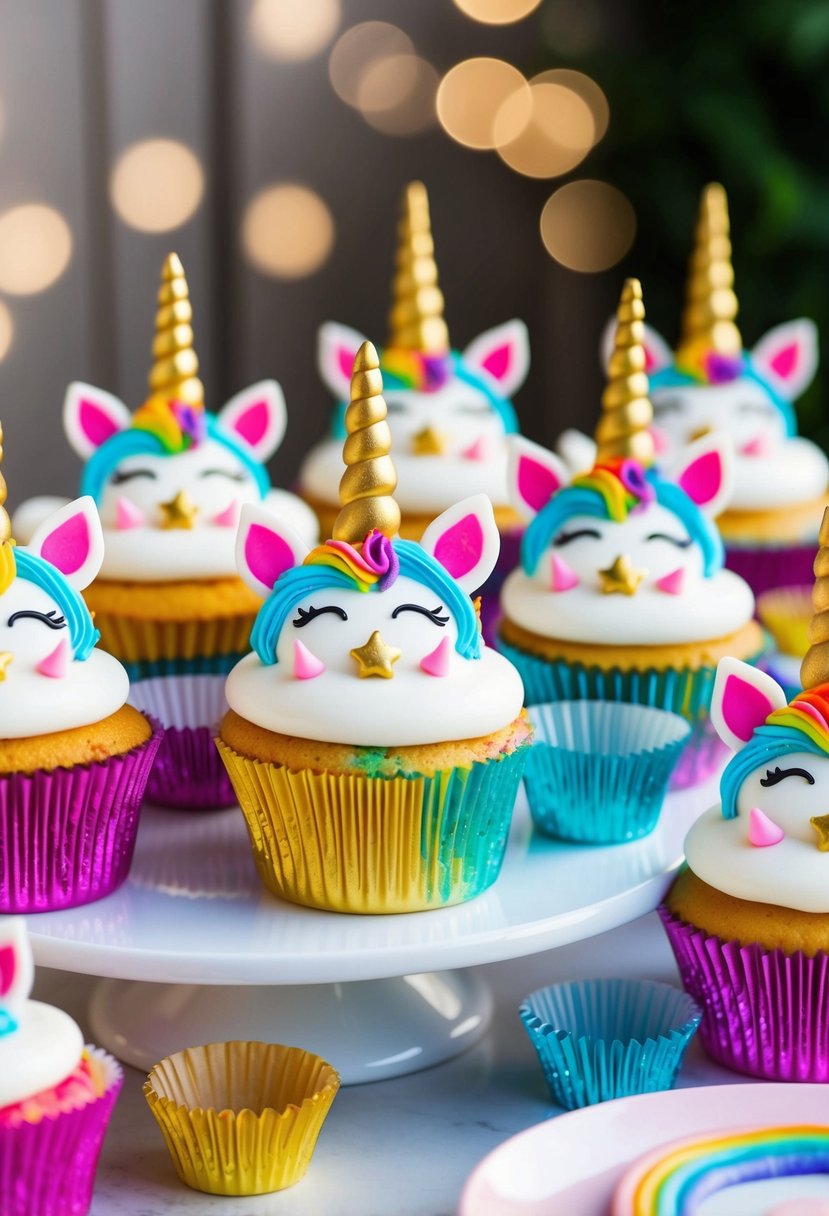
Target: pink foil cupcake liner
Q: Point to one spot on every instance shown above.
(48, 1168)
(67, 835)
(766, 568)
(188, 773)
(765, 1013)
(704, 753)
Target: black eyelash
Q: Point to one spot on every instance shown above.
(395, 407)
(472, 409)
(564, 538)
(432, 613)
(772, 778)
(118, 479)
(670, 405)
(304, 615)
(672, 540)
(48, 618)
(756, 407)
(223, 473)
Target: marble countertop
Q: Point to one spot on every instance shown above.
(394, 1148)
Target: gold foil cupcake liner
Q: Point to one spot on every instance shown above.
(786, 613)
(241, 1118)
(137, 640)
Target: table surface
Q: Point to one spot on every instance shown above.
(394, 1148)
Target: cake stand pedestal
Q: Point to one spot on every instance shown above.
(195, 950)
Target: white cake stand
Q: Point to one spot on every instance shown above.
(196, 951)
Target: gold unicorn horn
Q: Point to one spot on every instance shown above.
(627, 413)
(174, 375)
(370, 477)
(710, 301)
(5, 522)
(416, 318)
(814, 669)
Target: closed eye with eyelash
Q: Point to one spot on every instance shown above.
(119, 478)
(780, 774)
(565, 538)
(48, 618)
(304, 615)
(228, 473)
(681, 542)
(670, 405)
(434, 614)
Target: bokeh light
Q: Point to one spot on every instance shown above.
(6, 331)
(497, 12)
(473, 93)
(397, 95)
(287, 231)
(35, 248)
(293, 29)
(156, 185)
(588, 225)
(357, 50)
(559, 134)
(587, 89)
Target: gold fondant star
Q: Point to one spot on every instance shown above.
(621, 578)
(179, 512)
(6, 657)
(375, 658)
(821, 825)
(428, 442)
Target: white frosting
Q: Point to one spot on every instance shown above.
(706, 607)
(35, 704)
(796, 472)
(44, 1050)
(476, 697)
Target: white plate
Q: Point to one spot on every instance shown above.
(570, 1165)
(194, 911)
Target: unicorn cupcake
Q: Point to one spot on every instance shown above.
(74, 757)
(748, 919)
(621, 594)
(170, 481)
(374, 743)
(780, 480)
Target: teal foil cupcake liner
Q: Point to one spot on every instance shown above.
(598, 772)
(210, 665)
(609, 1038)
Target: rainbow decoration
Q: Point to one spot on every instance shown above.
(808, 713)
(415, 370)
(621, 483)
(704, 365)
(675, 1181)
(175, 424)
(373, 561)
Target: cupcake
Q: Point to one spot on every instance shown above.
(74, 757)
(169, 481)
(748, 919)
(56, 1096)
(785, 613)
(621, 595)
(374, 743)
(780, 479)
(449, 411)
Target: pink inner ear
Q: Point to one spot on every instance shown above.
(252, 423)
(650, 359)
(702, 479)
(459, 549)
(784, 362)
(345, 358)
(536, 482)
(744, 707)
(7, 968)
(267, 554)
(67, 548)
(498, 361)
(95, 423)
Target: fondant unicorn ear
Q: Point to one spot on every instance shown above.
(533, 475)
(16, 967)
(337, 346)
(705, 471)
(257, 418)
(787, 356)
(502, 354)
(658, 353)
(265, 548)
(72, 541)
(91, 416)
(742, 699)
(465, 540)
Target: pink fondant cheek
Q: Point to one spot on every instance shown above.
(267, 555)
(253, 423)
(784, 362)
(7, 968)
(459, 549)
(701, 481)
(67, 548)
(744, 707)
(536, 483)
(497, 362)
(95, 424)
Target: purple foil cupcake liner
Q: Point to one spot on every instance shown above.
(48, 1168)
(765, 1013)
(67, 835)
(188, 773)
(766, 568)
(703, 755)
(509, 556)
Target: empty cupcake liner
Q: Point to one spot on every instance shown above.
(786, 612)
(609, 1038)
(351, 843)
(597, 772)
(136, 640)
(67, 835)
(765, 1013)
(765, 568)
(48, 1168)
(241, 1118)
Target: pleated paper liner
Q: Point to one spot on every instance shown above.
(765, 1013)
(200, 665)
(375, 844)
(609, 1038)
(136, 640)
(765, 568)
(786, 612)
(241, 1118)
(597, 772)
(67, 835)
(48, 1168)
